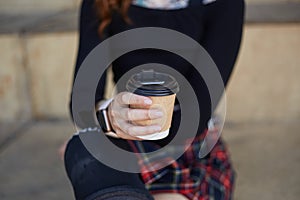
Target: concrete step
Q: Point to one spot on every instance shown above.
(266, 157)
(48, 22)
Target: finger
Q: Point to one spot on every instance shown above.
(121, 128)
(133, 130)
(125, 136)
(143, 130)
(139, 114)
(127, 98)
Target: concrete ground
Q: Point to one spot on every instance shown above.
(266, 157)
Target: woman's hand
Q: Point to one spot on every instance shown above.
(123, 118)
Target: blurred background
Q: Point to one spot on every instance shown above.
(38, 45)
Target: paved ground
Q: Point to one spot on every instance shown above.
(266, 157)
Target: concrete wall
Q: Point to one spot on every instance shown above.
(266, 83)
(14, 97)
(36, 69)
(36, 73)
(51, 58)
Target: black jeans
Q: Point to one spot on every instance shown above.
(93, 180)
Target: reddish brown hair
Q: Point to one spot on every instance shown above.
(105, 9)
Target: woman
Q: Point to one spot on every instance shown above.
(217, 26)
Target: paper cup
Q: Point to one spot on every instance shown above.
(162, 89)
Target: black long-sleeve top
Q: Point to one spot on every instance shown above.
(216, 26)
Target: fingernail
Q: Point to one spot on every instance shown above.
(158, 114)
(157, 128)
(148, 101)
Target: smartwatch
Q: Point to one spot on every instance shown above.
(102, 115)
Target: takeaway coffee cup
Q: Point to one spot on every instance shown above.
(162, 89)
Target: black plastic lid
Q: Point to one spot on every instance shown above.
(151, 83)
